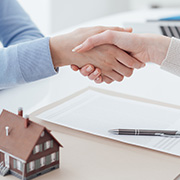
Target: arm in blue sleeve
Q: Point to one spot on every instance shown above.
(26, 54)
(25, 62)
(15, 24)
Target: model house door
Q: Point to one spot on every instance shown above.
(6, 159)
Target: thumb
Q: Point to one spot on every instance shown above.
(102, 38)
(128, 29)
(93, 41)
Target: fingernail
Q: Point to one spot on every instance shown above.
(95, 72)
(77, 48)
(128, 28)
(89, 69)
(97, 79)
(143, 65)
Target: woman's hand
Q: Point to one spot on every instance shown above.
(143, 47)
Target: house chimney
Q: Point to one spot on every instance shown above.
(26, 121)
(7, 130)
(20, 111)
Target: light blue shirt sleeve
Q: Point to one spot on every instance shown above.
(26, 55)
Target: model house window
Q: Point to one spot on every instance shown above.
(52, 144)
(19, 165)
(42, 134)
(31, 166)
(48, 159)
(42, 162)
(57, 156)
(48, 144)
(14, 163)
(53, 157)
(37, 164)
(37, 149)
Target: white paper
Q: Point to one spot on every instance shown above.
(97, 113)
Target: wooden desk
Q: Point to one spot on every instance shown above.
(88, 157)
(91, 157)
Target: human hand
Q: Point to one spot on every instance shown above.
(143, 47)
(92, 72)
(107, 58)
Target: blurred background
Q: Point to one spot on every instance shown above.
(52, 16)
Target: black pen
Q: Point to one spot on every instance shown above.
(146, 132)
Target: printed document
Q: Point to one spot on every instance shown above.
(96, 113)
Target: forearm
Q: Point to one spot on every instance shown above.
(25, 62)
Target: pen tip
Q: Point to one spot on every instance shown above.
(110, 131)
(113, 131)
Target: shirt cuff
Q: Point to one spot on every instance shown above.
(172, 61)
(35, 60)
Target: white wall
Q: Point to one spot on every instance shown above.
(72, 12)
(54, 15)
(39, 11)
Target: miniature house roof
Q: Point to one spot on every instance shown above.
(20, 140)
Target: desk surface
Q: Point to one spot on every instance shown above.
(90, 157)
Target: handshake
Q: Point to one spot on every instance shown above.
(107, 54)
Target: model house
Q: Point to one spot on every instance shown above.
(27, 149)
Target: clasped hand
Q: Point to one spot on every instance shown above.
(107, 53)
(112, 62)
(141, 47)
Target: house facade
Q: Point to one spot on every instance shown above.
(27, 149)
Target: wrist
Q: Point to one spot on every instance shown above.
(164, 43)
(54, 54)
(157, 48)
(57, 50)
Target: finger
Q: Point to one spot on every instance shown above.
(116, 28)
(113, 28)
(95, 74)
(106, 37)
(98, 40)
(123, 70)
(74, 67)
(87, 70)
(123, 40)
(107, 79)
(93, 41)
(98, 80)
(127, 60)
(114, 76)
(128, 29)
